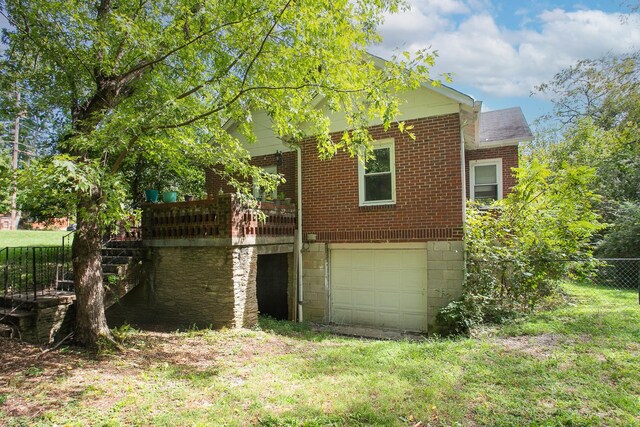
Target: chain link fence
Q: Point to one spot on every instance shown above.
(618, 273)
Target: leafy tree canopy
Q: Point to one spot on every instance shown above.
(606, 89)
(124, 79)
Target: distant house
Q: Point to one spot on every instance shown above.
(5, 222)
(377, 246)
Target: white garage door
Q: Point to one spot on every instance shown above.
(379, 287)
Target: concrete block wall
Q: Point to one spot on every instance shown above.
(314, 279)
(445, 275)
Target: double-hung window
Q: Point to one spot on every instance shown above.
(376, 177)
(485, 180)
(261, 193)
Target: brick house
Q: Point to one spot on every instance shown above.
(379, 246)
(385, 248)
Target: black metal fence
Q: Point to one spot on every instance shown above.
(30, 272)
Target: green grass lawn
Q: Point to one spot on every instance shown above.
(31, 238)
(576, 365)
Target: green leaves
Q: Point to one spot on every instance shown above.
(522, 245)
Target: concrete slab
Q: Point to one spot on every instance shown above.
(368, 332)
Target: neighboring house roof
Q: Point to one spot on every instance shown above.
(504, 126)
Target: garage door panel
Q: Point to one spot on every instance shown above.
(364, 317)
(342, 297)
(383, 278)
(413, 259)
(387, 300)
(343, 260)
(388, 258)
(341, 275)
(342, 315)
(379, 287)
(362, 259)
(414, 322)
(388, 319)
(361, 278)
(364, 298)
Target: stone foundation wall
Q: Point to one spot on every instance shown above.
(445, 275)
(187, 286)
(314, 277)
(43, 321)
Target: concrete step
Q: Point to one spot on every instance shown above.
(9, 314)
(124, 244)
(66, 283)
(122, 260)
(113, 268)
(131, 252)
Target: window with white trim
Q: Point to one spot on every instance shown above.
(261, 193)
(377, 178)
(485, 180)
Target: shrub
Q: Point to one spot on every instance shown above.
(518, 248)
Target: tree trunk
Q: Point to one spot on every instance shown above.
(91, 323)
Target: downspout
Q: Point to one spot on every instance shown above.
(463, 174)
(299, 234)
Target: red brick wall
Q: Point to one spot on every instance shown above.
(428, 189)
(288, 168)
(509, 156)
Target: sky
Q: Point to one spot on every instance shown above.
(500, 50)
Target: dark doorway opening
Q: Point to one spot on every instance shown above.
(272, 282)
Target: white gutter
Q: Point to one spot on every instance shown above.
(299, 234)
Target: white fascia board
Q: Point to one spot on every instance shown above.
(495, 144)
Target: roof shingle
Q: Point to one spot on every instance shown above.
(504, 125)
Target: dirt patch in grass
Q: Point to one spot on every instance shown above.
(66, 374)
(533, 345)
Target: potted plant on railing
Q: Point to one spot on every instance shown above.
(170, 196)
(151, 196)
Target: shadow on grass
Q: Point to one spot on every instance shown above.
(286, 328)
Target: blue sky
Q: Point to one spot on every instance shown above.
(499, 50)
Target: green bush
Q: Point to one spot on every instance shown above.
(519, 247)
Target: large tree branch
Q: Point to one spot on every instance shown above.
(264, 42)
(123, 154)
(221, 74)
(144, 64)
(244, 91)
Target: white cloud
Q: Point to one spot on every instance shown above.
(501, 61)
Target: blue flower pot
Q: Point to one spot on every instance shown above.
(169, 196)
(151, 196)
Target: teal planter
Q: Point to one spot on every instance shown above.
(151, 196)
(169, 196)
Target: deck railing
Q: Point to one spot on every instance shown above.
(221, 217)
